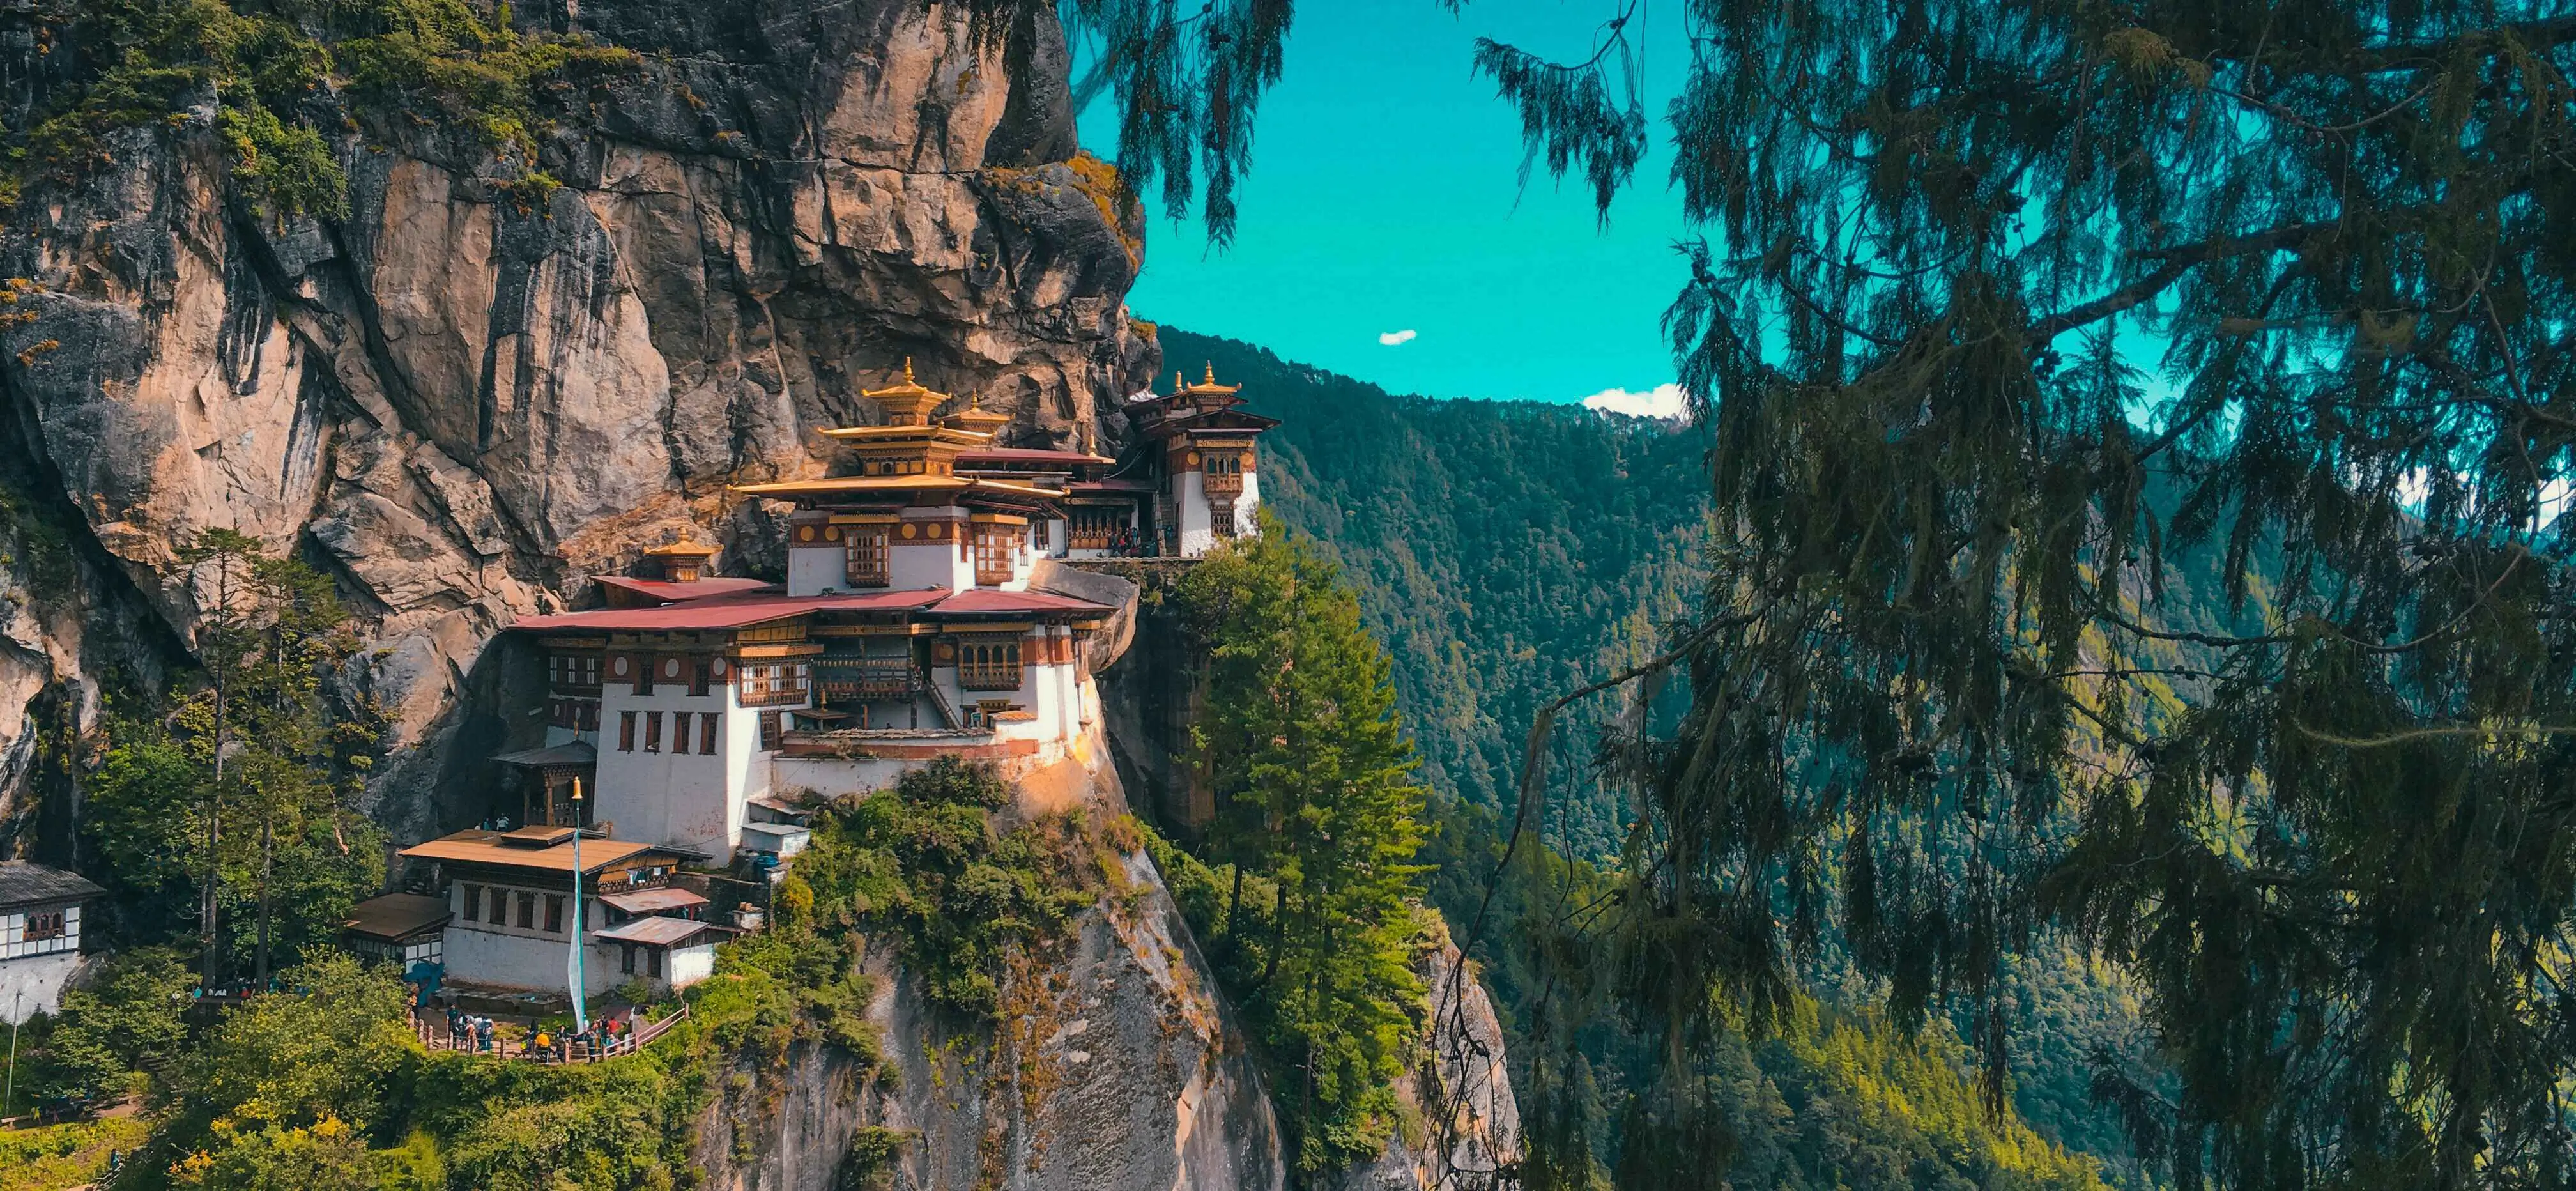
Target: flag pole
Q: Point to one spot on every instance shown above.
(572, 962)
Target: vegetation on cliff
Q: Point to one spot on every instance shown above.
(288, 80)
(1311, 912)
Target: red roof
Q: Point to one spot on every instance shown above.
(986, 600)
(672, 593)
(1027, 455)
(730, 612)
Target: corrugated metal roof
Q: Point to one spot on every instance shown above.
(728, 612)
(485, 847)
(26, 883)
(673, 593)
(653, 932)
(982, 600)
(1030, 455)
(397, 916)
(654, 901)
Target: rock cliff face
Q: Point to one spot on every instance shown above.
(463, 395)
(1115, 1067)
(462, 399)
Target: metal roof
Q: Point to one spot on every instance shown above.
(1030, 455)
(486, 847)
(396, 916)
(983, 600)
(728, 612)
(696, 589)
(26, 883)
(579, 752)
(654, 901)
(653, 932)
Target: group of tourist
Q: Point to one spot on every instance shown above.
(601, 1039)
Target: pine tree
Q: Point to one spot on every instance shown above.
(1318, 802)
(2261, 686)
(259, 744)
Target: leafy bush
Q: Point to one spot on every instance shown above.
(127, 1018)
(932, 859)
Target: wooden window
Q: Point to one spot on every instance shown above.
(527, 911)
(644, 664)
(707, 732)
(1095, 528)
(625, 731)
(680, 732)
(770, 730)
(1224, 475)
(652, 731)
(589, 721)
(988, 663)
(554, 913)
(573, 673)
(772, 684)
(698, 668)
(473, 899)
(628, 967)
(994, 547)
(653, 962)
(868, 556)
(43, 925)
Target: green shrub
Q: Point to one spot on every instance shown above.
(932, 859)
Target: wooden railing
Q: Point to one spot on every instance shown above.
(866, 677)
(433, 1034)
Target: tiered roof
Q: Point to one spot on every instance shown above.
(1192, 409)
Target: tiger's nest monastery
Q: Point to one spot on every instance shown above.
(691, 714)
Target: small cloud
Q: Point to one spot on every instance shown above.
(1391, 338)
(1663, 401)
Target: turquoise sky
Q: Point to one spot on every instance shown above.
(1382, 200)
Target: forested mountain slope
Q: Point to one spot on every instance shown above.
(1505, 552)
(1508, 552)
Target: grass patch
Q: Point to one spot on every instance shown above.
(64, 1155)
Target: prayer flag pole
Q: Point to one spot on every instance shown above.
(572, 962)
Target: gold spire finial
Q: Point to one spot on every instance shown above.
(1177, 383)
(1211, 372)
(907, 370)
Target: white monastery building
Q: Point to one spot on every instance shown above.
(694, 709)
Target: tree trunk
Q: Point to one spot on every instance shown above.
(1233, 902)
(214, 841)
(267, 868)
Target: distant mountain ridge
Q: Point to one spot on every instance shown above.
(1556, 538)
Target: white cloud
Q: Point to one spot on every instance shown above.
(1392, 338)
(1662, 401)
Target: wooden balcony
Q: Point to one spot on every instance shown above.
(867, 678)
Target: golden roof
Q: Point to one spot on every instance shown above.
(681, 550)
(853, 484)
(845, 485)
(976, 419)
(922, 434)
(909, 403)
(1205, 388)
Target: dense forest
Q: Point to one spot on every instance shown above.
(1506, 553)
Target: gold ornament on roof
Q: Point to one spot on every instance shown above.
(909, 403)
